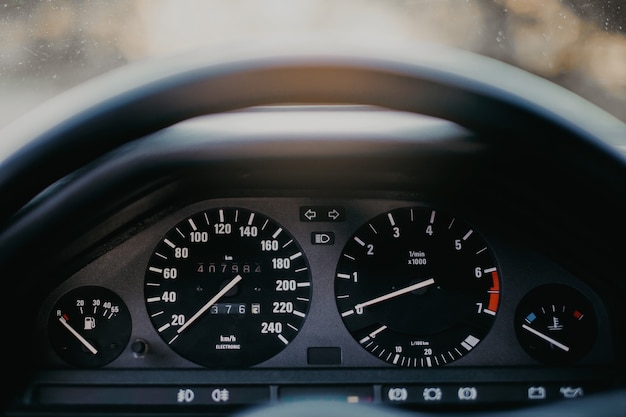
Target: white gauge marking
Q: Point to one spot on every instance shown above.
(250, 219)
(344, 276)
(373, 230)
(221, 212)
(347, 313)
(391, 220)
(295, 255)
(206, 219)
(469, 342)
(287, 244)
(169, 243)
(468, 234)
(81, 339)
(432, 216)
(160, 256)
(152, 284)
(292, 326)
(283, 339)
(359, 241)
(153, 299)
(348, 256)
(276, 233)
(164, 327)
(265, 224)
(155, 269)
(487, 311)
(193, 225)
(298, 313)
(490, 270)
(546, 338)
(208, 305)
(481, 251)
(303, 284)
(301, 269)
(472, 340)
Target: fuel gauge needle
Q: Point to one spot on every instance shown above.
(545, 337)
(82, 340)
(426, 283)
(208, 305)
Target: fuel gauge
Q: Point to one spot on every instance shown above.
(556, 324)
(89, 326)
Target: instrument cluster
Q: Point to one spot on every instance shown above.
(238, 283)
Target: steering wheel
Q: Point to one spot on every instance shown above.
(469, 89)
(482, 94)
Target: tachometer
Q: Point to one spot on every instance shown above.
(227, 288)
(417, 287)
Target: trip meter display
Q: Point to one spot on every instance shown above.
(227, 288)
(417, 287)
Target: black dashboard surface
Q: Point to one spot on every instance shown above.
(401, 162)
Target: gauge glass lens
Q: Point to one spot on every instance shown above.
(89, 326)
(556, 324)
(227, 288)
(417, 287)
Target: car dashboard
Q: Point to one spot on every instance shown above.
(348, 253)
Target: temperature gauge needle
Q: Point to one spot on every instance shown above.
(359, 307)
(82, 340)
(546, 338)
(212, 301)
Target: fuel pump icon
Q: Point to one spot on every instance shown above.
(90, 323)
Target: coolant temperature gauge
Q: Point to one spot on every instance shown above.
(556, 324)
(89, 326)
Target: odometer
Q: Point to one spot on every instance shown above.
(227, 288)
(417, 287)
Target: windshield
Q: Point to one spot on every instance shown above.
(48, 46)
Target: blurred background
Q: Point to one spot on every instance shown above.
(47, 46)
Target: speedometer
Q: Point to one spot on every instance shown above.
(417, 287)
(227, 288)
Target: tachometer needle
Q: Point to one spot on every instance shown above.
(546, 338)
(212, 301)
(394, 294)
(81, 339)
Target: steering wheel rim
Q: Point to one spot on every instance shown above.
(465, 88)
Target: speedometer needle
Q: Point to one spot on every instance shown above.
(212, 301)
(81, 339)
(359, 307)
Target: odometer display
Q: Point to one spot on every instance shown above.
(227, 288)
(417, 287)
